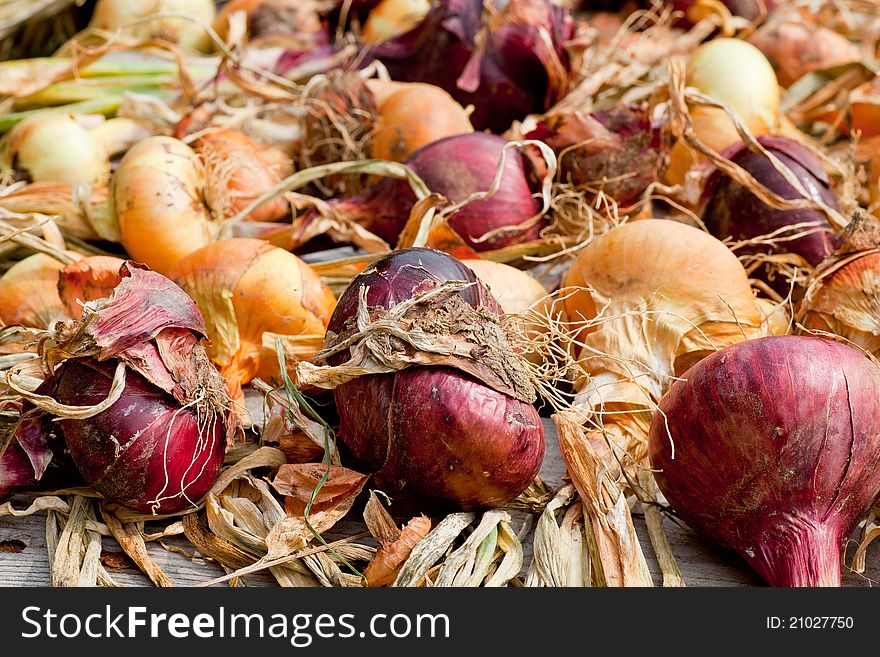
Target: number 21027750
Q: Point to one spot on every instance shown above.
(810, 623)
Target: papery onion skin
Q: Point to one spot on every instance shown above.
(236, 174)
(796, 47)
(144, 452)
(615, 150)
(696, 10)
(285, 23)
(88, 279)
(433, 435)
(775, 444)
(456, 167)
(734, 212)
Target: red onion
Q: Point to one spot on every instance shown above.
(733, 211)
(16, 471)
(506, 71)
(145, 451)
(770, 447)
(616, 149)
(160, 445)
(433, 435)
(455, 167)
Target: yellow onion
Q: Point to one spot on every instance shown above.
(669, 295)
(238, 173)
(170, 199)
(294, 24)
(246, 289)
(121, 14)
(736, 73)
(88, 279)
(29, 293)
(414, 115)
(843, 294)
(157, 194)
(55, 147)
(795, 47)
(391, 18)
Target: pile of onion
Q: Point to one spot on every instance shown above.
(251, 293)
(770, 448)
(738, 74)
(669, 295)
(141, 409)
(734, 212)
(170, 199)
(507, 64)
(453, 431)
(457, 167)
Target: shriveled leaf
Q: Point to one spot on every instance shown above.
(619, 551)
(299, 481)
(396, 544)
(131, 540)
(431, 548)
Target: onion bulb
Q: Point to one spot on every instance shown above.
(150, 420)
(391, 18)
(128, 15)
(734, 212)
(433, 435)
(29, 293)
(457, 167)
(843, 293)
(412, 116)
(248, 290)
(16, 472)
(294, 24)
(170, 199)
(669, 294)
(55, 147)
(770, 448)
(739, 75)
(696, 10)
(795, 47)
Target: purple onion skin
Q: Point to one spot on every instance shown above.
(734, 212)
(512, 82)
(159, 462)
(457, 167)
(776, 444)
(16, 471)
(433, 435)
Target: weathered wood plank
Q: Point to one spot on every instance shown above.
(701, 563)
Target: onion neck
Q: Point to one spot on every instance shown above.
(798, 553)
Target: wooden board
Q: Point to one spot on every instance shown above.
(701, 563)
